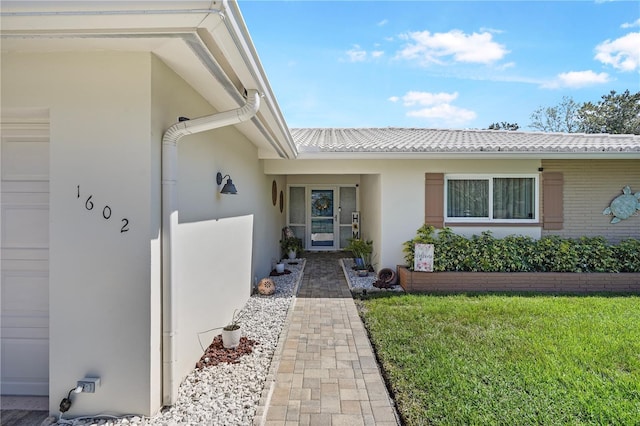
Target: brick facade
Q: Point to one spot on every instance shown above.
(540, 282)
(589, 187)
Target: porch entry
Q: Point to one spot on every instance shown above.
(323, 216)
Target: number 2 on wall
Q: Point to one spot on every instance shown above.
(106, 211)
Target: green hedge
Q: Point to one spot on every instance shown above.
(484, 253)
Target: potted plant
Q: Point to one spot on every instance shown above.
(231, 332)
(361, 250)
(291, 246)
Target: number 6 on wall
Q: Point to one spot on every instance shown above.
(106, 211)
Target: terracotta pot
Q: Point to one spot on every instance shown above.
(387, 275)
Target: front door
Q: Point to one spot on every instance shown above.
(323, 219)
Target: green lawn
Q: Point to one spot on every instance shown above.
(510, 360)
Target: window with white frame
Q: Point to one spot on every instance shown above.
(491, 198)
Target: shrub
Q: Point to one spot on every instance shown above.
(628, 255)
(514, 253)
(361, 248)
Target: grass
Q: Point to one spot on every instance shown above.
(509, 360)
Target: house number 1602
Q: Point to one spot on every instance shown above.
(106, 211)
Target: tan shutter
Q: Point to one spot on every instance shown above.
(552, 211)
(434, 199)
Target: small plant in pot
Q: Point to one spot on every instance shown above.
(361, 250)
(291, 246)
(231, 332)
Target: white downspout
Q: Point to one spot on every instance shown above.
(170, 222)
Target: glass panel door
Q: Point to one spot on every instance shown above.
(348, 206)
(297, 212)
(323, 219)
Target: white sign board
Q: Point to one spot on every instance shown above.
(423, 259)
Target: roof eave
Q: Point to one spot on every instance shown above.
(213, 35)
(463, 155)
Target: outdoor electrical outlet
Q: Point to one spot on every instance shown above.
(89, 384)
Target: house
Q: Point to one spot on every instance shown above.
(534, 184)
(118, 246)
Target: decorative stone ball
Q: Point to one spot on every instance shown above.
(266, 287)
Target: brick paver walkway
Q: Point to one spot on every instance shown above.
(327, 373)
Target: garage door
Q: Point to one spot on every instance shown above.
(25, 252)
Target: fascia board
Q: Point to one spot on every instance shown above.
(107, 16)
(234, 41)
(467, 155)
(185, 26)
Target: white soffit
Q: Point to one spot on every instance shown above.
(186, 35)
(186, 63)
(115, 15)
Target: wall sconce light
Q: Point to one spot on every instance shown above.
(229, 187)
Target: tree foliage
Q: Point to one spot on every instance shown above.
(503, 125)
(614, 114)
(560, 118)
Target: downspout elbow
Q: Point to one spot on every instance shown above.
(222, 119)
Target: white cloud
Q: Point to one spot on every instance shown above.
(383, 23)
(356, 54)
(446, 114)
(436, 108)
(433, 48)
(631, 24)
(425, 98)
(577, 79)
(490, 30)
(622, 53)
(506, 66)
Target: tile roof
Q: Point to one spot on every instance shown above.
(437, 141)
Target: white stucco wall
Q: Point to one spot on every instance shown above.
(371, 215)
(224, 242)
(100, 313)
(108, 112)
(213, 275)
(399, 185)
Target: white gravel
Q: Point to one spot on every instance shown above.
(359, 284)
(225, 394)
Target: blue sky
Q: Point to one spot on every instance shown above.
(441, 64)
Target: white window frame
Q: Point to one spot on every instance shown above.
(490, 178)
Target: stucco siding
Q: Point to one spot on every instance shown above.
(394, 201)
(589, 187)
(108, 112)
(371, 215)
(224, 242)
(100, 177)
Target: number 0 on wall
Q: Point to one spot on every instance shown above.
(106, 211)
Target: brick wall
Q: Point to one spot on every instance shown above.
(589, 187)
(541, 282)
